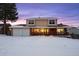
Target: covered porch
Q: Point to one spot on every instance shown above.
(48, 31)
(43, 31)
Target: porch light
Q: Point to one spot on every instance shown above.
(42, 30)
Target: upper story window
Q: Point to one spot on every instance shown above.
(31, 21)
(51, 21)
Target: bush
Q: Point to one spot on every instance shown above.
(75, 36)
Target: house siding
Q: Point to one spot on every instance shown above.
(41, 22)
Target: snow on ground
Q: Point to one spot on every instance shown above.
(38, 46)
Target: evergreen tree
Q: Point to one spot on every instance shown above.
(8, 12)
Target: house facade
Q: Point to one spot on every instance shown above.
(40, 26)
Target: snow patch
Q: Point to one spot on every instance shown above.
(38, 45)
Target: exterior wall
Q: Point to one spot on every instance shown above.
(27, 32)
(21, 32)
(41, 22)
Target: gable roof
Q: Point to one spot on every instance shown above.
(44, 18)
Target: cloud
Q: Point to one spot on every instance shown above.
(35, 13)
(66, 13)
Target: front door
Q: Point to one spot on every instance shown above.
(52, 31)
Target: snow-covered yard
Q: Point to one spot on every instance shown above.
(38, 45)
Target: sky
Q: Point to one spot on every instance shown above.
(66, 13)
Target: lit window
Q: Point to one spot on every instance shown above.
(60, 30)
(42, 30)
(47, 30)
(37, 30)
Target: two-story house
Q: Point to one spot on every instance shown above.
(40, 26)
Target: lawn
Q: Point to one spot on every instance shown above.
(38, 46)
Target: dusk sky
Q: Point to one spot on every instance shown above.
(66, 13)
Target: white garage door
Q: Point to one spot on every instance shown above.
(21, 32)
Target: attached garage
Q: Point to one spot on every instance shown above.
(20, 31)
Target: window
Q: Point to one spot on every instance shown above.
(60, 30)
(31, 21)
(51, 22)
(40, 31)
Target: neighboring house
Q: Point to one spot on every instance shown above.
(74, 32)
(40, 26)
